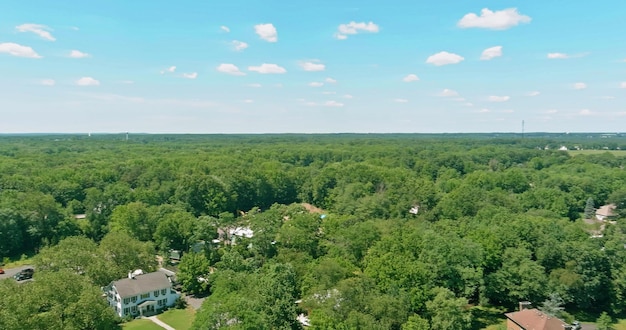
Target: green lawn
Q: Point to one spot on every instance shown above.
(621, 325)
(141, 324)
(179, 319)
(487, 318)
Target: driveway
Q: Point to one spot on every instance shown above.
(9, 272)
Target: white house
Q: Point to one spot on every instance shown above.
(141, 294)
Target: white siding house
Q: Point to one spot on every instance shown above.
(144, 294)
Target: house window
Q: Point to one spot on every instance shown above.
(133, 309)
(133, 299)
(126, 311)
(145, 295)
(126, 301)
(156, 293)
(163, 291)
(162, 302)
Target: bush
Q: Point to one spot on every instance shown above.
(180, 303)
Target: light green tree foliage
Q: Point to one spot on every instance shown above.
(55, 300)
(193, 273)
(604, 322)
(448, 312)
(134, 219)
(416, 322)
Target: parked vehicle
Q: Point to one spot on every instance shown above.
(24, 274)
(1, 271)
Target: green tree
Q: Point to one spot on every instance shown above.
(193, 273)
(590, 208)
(604, 322)
(448, 312)
(416, 322)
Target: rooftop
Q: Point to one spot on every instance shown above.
(130, 287)
(533, 319)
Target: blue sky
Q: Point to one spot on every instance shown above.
(312, 67)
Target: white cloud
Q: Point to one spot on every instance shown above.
(401, 100)
(606, 97)
(348, 96)
(313, 66)
(38, 29)
(239, 45)
(410, 78)
(484, 110)
(333, 104)
(580, 85)
(469, 104)
(331, 80)
(498, 98)
(585, 112)
(47, 82)
(78, 54)
(224, 28)
(557, 56)
(622, 85)
(495, 20)
(171, 69)
(444, 58)
(230, 69)
(255, 85)
(266, 68)
(126, 82)
(87, 81)
(533, 93)
(354, 28)
(316, 84)
(448, 93)
(267, 32)
(18, 50)
(248, 101)
(192, 75)
(491, 53)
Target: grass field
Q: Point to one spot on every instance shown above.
(179, 319)
(141, 324)
(596, 152)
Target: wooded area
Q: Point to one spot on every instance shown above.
(399, 231)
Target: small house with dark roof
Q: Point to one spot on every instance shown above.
(141, 294)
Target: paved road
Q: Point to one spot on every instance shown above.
(160, 323)
(9, 272)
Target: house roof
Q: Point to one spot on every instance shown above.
(606, 210)
(141, 284)
(533, 319)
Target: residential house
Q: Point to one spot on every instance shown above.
(605, 212)
(533, 319)
(141, 294)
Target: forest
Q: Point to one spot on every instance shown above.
(355, 231)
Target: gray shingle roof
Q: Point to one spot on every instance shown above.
(141, 284)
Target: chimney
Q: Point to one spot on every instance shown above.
(524, 305)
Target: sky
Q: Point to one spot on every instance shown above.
(404, 66)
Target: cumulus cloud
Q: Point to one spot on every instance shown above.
(557, 56)
(331, 80)
(495, 20)
(411, 77)
(248, 101)
(491, 53)
(444, 58)
(484, 110)
(316, 84)
(18, 50)
(78, 54)
(38, 29)
(47, 82)
(267, 32)
(552, 111)
(313, 66)
(348, 96)
(266, 68)
(401, 100)
(255, 85)
(622, 85)
(224, 28)
(494, 98)
(354, 28)
(448, 93)
(585, 112)
(580, 85)
(192, 75)
(239, 45)
(87, 81)
(534, 93)
(230, 69)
